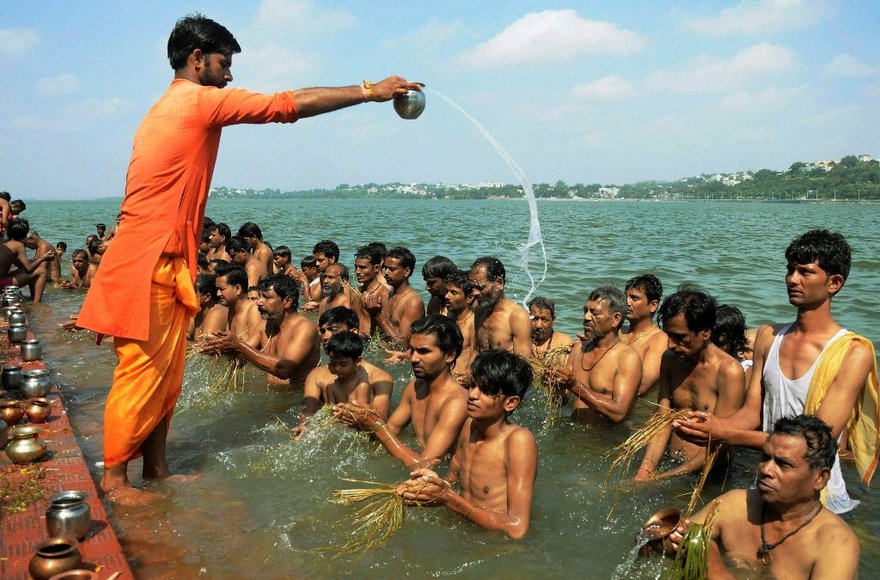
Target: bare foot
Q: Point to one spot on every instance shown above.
(182, 478)
(126, 495)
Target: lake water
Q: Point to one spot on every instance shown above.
(262, 507)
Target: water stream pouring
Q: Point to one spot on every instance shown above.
(535, 238)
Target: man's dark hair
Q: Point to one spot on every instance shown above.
(821, 445)
(647, 283)
(614, 296)
(729, 332)
(62, 246)
(830, 250)
(196, 31)
(284, 286)
(698, 308)
(438, 267)
(328, 248)
(308, 262)
(494, 268)
(207, 224)
(339, 315)
(461, 279)
(237, 244)
(102, 226)
(221, 266)
(375, 252)
(404, 256)
(543, 303)
(202, 261)
(206, 284)
(499, 372)
(5, 195)
(250, 230)
(18, 229)
(79, 252)
(282, 252)
(224, 231)
(346, 345)
(21, 205)
(235, 276)
(445, 330)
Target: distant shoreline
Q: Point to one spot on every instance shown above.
(539, 199)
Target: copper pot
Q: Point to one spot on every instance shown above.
(11, 412)
(38, 410)
(55, 556)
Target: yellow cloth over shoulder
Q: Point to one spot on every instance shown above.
(862, 426)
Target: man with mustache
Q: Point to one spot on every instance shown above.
(334, 288)
(286, 346)
(499, 322)
(602, 373)
(780, 529)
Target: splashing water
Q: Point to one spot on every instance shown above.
(535, 238)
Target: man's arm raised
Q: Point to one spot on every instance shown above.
(319, 100)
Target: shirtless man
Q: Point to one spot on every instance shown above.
(403, 305)
(5, 211)
(334, 289)
(495, 461)
(694, 374)
(332, 322)
(643, 295)
(832, 366)
(433, 401)
(212, 316)
(218, 238)
(781, 529)
(499, 323)
(326, 252)
(239, 251)
(244, 321)
(253, 235)
(81, 271)
(287, 346)
(368, 262)
(42, 274)
(548, 345)
(459, 301)
(28, 272)
(434, 272)
(602, 372)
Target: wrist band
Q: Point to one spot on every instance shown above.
(367, 90)
(378, 427)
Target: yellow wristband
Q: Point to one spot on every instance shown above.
(367, 90)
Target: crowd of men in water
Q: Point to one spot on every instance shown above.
(474, 352)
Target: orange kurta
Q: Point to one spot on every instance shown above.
(142, 294)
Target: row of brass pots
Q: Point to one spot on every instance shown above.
(34, 382)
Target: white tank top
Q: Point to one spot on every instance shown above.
(784, 397)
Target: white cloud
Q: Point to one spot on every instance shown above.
(552, 36)
(846, 65)
(300, 17)
(18, 42)
(706, 74)
(764, 101)
(608, 88)
(760, 17)
(64, 84)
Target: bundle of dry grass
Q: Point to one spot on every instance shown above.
(711, 456)
(547, 381)
(692, 559)
(231, 375)
(627, 450)
(373, 524)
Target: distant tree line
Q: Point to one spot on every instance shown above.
(848, 179)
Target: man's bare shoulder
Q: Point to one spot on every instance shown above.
(521, 438)
(321, 376)
(376, 373)
(657, 342)
(767, 333)
(627, 356)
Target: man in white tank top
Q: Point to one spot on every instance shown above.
(786, 356)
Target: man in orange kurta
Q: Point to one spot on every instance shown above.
(143, 293)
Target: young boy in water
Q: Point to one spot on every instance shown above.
(495, 461)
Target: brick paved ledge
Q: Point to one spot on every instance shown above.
(65, 469)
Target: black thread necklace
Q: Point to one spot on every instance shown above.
(765, 549)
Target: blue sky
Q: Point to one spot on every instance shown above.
(585, 92)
